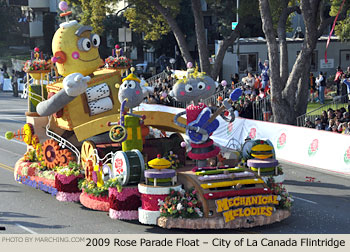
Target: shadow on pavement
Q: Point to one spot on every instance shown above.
(315, 184)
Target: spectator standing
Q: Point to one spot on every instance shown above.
(162, 62)
(257, 83)
(14, 83)
(312, 86)
(264, 73)
(262, 93)
(1, 78)
(234, 79)
(347, 84)
(321, 84)
(249, 80)
(337, 79)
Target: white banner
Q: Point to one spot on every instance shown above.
(311, 147)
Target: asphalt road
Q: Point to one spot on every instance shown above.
(322, 206)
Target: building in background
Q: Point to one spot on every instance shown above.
(251, 49)
(38, 21)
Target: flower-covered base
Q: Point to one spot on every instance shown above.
(127, 200)
(30, 170)
(94, 203)
(148, 217)
(219, 222)
(123, 215)
(68, 184)
(68, 197)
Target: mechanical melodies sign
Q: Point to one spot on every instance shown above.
(246, 206)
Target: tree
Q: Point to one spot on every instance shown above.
(93, 13)
(289, 91)
(224, 10)
(342, 29)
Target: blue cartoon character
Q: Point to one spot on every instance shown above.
(201, 122)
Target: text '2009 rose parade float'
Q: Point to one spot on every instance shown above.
(85, 144)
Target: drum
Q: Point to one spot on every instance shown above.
(129, 164)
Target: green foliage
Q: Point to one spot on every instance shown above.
(115, 183)
(342, 28)
(90, 187)
(9, 135)
(93, 13)
(72, 169)
(144, 17)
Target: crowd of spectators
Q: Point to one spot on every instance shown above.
(161, 88)
(337, 121)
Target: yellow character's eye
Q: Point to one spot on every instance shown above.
(84, 44)
(95, 39)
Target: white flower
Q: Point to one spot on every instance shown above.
(179, 207)
(182, 191)
(279, 197)
(198, 211)
(160, 202)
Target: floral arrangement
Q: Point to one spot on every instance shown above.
(284, 198)
(181, 204)
(30, 156)
(36, 65)
(34, 155)
(90, 187)
(116, 62)
(72, 169)
(47, 174)
(115, 183)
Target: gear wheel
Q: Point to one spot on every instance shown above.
(64, 157)
(50, 152)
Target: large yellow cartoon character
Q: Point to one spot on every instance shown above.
(75, 48)
(86, 98)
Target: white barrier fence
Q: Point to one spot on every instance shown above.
(311, 147)
(7, 86)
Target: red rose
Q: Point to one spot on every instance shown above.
(252, 133)
(282, 139)
(314, 145)
(348, 153)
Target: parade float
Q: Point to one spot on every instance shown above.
(86, 144)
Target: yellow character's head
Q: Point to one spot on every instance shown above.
(75, 48)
